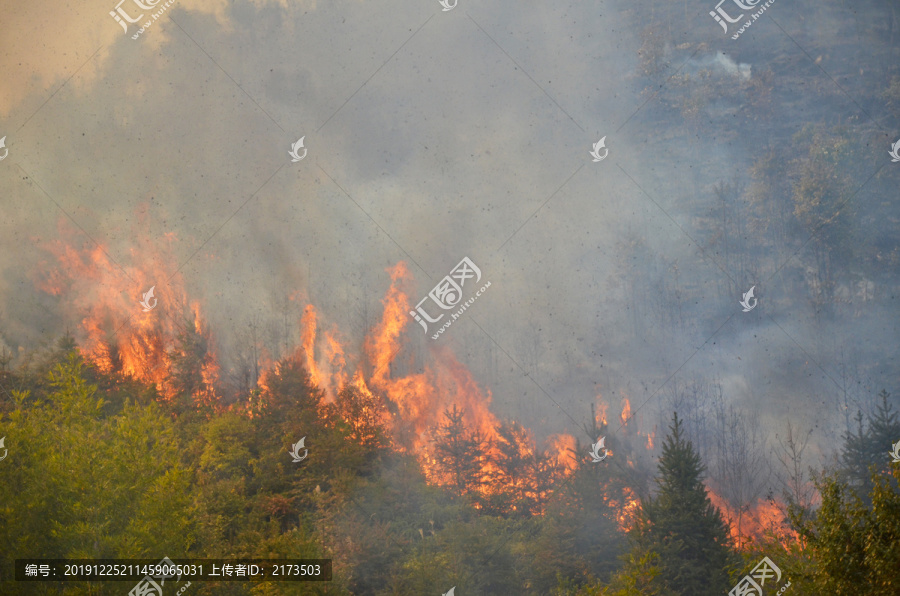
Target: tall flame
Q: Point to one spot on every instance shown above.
(419, 399)
(752, 525)
(154, 346)
(563, 445)
(117, 335)
(307, 343)
(336, 361)
(626, 514)
(383, 343)
(602, 409)
(626, 410)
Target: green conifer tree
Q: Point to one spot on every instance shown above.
(461, 453)
(682, 527)
(869, 447)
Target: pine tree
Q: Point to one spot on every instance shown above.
(186, 377)
(682, 527)
(461, 453)
(869, 446)
(522, 476)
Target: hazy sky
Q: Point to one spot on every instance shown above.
(432, 136)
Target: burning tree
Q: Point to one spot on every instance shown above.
(364, 415)
(461, 454)
(521, 477)
(383, 444)
(193, 370)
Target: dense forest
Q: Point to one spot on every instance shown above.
(182, 308)
(104, 467)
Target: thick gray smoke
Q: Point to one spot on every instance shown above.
(436, 135)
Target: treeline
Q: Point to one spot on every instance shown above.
(100, 466)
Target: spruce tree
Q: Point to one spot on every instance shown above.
(461, 453)
(869, 447)
(681, 527)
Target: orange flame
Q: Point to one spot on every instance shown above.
(117, 335)
(602, 409)
(307, 343)
(420, 399)
(626, 514)
(334, 353)
(563, 445)
(383, 343)
(148, 346)
(328, 372)
(763, 517)
(626, 410)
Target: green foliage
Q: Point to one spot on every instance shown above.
(854, 546)
(474, 555)
(680, 542)
(578, 538)
(94, 473)
(101, 470)
(78, 483)
(462, 453)
(360, 415)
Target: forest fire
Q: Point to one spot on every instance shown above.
(600, 416)
(756, 522)
(119, 337)
(420, 399)
(148, 346)
(245, 319)
(564, 447)
(626, 411)
(626, 514)
(152, 347)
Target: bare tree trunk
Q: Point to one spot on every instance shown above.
(740, 467)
